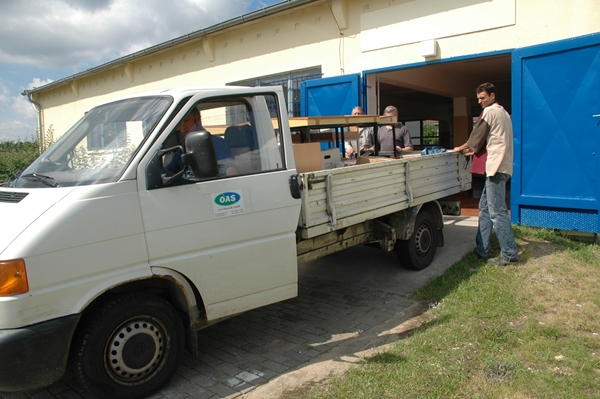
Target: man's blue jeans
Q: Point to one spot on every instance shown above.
(493, 214)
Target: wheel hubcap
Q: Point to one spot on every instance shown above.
(423, 240)
(135, 350)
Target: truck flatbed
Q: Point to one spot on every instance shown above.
(336, 199)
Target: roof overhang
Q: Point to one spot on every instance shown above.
(185, 39)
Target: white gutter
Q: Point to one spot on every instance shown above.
(38, 110)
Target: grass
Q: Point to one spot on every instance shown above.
(527, 331)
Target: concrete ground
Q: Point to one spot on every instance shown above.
(377, 271)
(349, 304)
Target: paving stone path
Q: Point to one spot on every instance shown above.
(248, 350)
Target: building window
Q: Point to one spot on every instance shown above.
(429, 132)
(113, 134)
(290, 81)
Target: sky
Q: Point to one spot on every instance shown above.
(46, 40)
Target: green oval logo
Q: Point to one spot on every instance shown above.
(226, 199)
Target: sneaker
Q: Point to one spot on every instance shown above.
(484, 258)
(500, 261)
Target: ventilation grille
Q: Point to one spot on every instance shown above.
(560, 218)
(7, 196)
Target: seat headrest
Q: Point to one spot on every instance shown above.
(221, 148)
(239, 136)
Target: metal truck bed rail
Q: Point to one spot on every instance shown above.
(337, 198)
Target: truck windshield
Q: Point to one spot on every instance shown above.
(99, 147)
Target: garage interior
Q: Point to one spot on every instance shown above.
(445, 92)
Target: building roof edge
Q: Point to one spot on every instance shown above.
(245, 18)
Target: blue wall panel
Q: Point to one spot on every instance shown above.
(556, 95)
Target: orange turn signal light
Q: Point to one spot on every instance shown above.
(13, 277)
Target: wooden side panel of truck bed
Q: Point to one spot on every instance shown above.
(334, 199)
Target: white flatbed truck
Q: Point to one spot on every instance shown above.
(113, 258)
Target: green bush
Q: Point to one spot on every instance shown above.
(16, 156)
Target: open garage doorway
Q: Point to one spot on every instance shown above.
(437, 101)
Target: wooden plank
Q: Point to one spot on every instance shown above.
(338, 121)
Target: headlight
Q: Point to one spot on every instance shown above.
(13, 277)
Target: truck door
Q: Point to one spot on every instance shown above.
(232, 235)
(556, 118)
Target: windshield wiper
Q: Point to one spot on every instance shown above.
(47, 180)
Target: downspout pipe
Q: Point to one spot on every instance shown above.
(38, 110)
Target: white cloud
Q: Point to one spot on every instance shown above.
(70, 36)
(19, 118)
(37, 82)
(4, 95)
(21, 106)
(18, 130)
(63, 33)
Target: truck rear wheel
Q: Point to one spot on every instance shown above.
(130, 348)
(419, 250)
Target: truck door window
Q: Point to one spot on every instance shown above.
(242, 131)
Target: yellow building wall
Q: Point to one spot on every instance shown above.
(339, 36)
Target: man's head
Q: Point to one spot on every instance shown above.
(390, 110)
(358, 110)
(486, 94)
(189, 121)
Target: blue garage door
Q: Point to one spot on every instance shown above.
(330, 96)
(556, 117)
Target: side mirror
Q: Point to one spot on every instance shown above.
(200, 154)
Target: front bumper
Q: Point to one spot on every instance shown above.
(35, 356)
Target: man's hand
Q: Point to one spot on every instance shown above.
(467, 152)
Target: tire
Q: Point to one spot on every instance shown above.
(419, 250)
(130, 347)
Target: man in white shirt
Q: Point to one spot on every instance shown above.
(493, 132)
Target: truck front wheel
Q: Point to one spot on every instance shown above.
(419, 250)
(130, 348)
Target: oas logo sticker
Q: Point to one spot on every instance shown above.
(227, 199)
(228, 204)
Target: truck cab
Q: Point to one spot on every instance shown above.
(112, 254)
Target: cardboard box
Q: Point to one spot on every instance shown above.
(310, 158)
(307, 156)
(330, 158)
